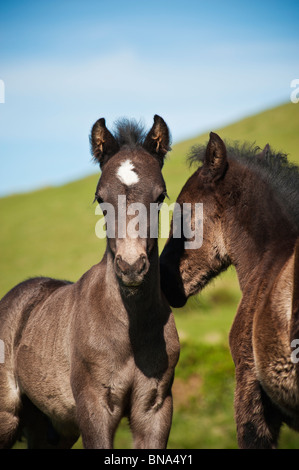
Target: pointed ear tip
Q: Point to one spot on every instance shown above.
(214, 136)
(98, 126)
(100, 123)
(157, 118)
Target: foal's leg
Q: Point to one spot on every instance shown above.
(9, 409)
(150, 424)
(9, 425)
(258, 420)
(9, 422)
(97, 418)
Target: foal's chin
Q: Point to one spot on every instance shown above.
(130, 282)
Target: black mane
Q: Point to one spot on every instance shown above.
(273, 167)
(129, 132)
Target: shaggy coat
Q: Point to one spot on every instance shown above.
(251, 220)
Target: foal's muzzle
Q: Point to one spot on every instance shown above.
(131, 274)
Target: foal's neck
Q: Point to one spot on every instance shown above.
(260, 235)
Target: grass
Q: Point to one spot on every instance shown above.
(51, 232)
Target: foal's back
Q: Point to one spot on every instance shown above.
(17, 306)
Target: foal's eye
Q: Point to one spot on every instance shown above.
(162, 196)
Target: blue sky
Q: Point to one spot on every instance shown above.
(199, 64)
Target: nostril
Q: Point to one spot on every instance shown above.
(121, 265)
(142, 264)
(118, 260)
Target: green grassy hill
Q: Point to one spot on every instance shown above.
(51, 232)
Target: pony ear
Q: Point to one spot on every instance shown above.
(215, 162)
(264, 152)
(103, 144)
(157, 141)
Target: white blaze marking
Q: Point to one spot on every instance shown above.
(126, 173)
